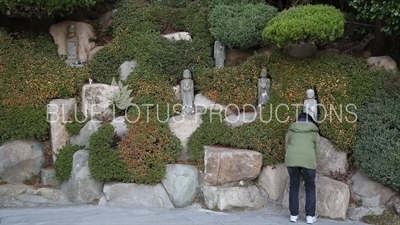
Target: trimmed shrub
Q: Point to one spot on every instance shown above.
(104, 161)
(305, 23)
(31, 76)
(340, 81)
(376, 150)
(212, 131)
(149, 145)
(147, 148)
(138, 28)
(241, 25)
(63, 165)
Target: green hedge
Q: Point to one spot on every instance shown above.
(377, 148)
(63, 164)
(31, 76)
(104, 162)
(240, 26)
(305, 23)
(138, 28)
(339, 80)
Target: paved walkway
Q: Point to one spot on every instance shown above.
(101, 215)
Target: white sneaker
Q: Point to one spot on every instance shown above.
(311, 219)
(294, 219)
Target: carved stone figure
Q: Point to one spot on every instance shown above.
(310, 105)
(219, 54)
(72, 44)
(187, 93)
(264, 85)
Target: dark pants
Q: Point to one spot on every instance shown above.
(309, 178)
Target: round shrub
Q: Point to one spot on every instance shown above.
(240, 25)
(305, 23)
(343, 83)
(377, 148)
(63, 164)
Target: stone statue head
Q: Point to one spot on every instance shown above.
(219, 46)
(310, 93)
(71, 29)
(187, 74)
(264, 73)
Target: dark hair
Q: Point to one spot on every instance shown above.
(306, 117)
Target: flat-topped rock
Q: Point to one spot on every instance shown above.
(224, 165)
(240, 119)
(223, 198)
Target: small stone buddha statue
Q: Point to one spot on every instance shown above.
(187, 93)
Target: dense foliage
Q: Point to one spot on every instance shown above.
(139, 27)
(342, 82)
(31, 76)
(29, 8)
(104, 161)
(389, 11)
(63, 164)
(377, 148)
(305, 23)
(241, 25)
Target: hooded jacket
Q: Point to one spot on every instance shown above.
(302, 145)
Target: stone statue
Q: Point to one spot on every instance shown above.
(264, 86)
(310, 105)
(72, 44)
(187, 93)
(219, 54)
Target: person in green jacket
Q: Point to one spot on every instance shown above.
(302, 146)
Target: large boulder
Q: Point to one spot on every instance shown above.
(202, 101)
(394, 204)
(223, 198)
(96, 98)
(274, 180)
(106, 19)
(183, 126)
(30, 194)
(84, 32)
(181, 183)
(120, 126)
(331, 161)
(369, 192)
(81, 187)
(48, 177)
(356, 213)
(332, 198)
(303, 50)
(240, 119)
(94, 51)
(82, 139)
(20, 160)
(385, 62)
(135, 195)
(224, 165)
(59, 111)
